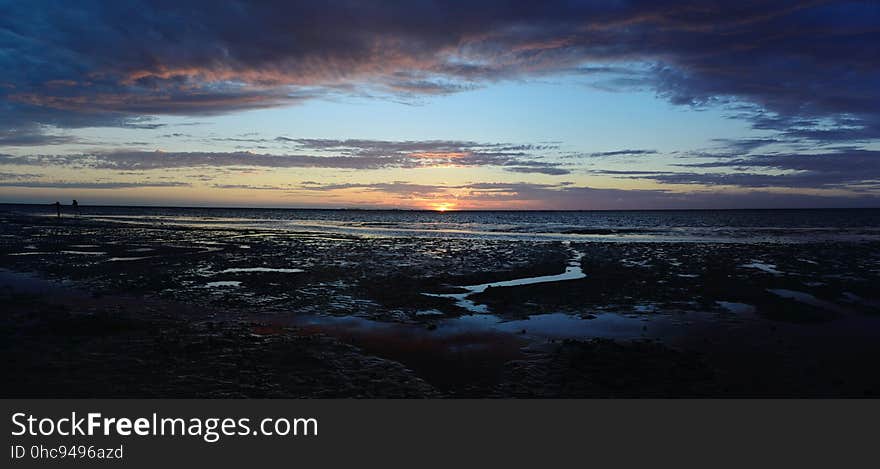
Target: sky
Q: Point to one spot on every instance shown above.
(563, 105)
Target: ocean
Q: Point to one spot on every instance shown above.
(772, 225)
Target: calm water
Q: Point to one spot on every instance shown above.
(701, 225)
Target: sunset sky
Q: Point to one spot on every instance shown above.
(457, 105)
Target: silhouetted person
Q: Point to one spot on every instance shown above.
(76, 207)
(58, 208)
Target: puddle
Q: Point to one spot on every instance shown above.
(430, 312)
(259, 269)
(806, 298)
(459, 352)
(764, 267)
(44, 253)
(555, 326)
(737, 308)
(644, 263)
(572, 271)
(223, 284)
(446, 357)
(535, 328)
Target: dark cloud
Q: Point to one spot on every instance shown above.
(319, 153)
(796, 61)
(76, 161)
(838, 168)
(549, 170)
(135, 160)
(746, 145)
(842, 168)
(368, 147)
(143, 160)
(31, 135)
(810, 180)
(88, 185)
(621, 153)
(433, 152)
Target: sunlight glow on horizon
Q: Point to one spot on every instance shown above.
(443, 207)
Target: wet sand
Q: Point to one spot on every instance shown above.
(101, 308)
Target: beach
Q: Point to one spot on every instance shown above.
(139, 302)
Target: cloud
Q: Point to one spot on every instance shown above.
(88, 185)
(568, 196)
(746, 145)
(250, 187)
(802, 73)
(795, 61)
(841, 168)
(319, 153)
(143, 160)
(397, 188)
(32, 135)
(525, 157)
(602, 154)
(17, 176)
(549, 170)
(837, 168)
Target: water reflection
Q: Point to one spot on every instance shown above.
(572, 271)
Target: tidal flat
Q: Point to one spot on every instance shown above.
(191, 305)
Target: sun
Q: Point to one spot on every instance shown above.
(443, 207)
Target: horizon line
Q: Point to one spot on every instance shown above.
(196, 207)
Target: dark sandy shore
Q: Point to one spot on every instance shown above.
(100, 309)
